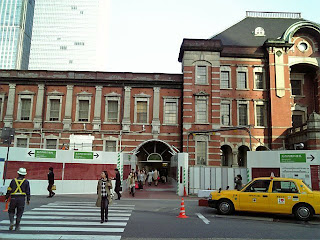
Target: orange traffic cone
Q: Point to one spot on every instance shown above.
(182, 210)
(184, 192)
(7, 205)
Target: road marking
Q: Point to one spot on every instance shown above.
(25, 236)
(67, 229)
(76, 214)
(74, 218)
(79, 210)
(206, 221)
(84, 207)
(89, 205)
(79, 223)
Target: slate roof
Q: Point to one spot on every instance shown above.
(242, 33)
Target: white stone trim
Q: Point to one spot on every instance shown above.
(226, 69)
(258, 69)
(242, 69)
(23, 95)
(238, 115)
(226, 101)
(51, 137)
(110, 138)
(265, 120)
(109, 97)
(83, 96)
(145, 98)
(201, 64)
(198, 98)
(16, 137)
(171, 100)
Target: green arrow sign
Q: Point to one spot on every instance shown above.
(83, 155)
(45, 154)
(293, 158)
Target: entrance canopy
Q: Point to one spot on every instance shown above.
(155, 150)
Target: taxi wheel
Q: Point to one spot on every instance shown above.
(225, 207)
(303, 212)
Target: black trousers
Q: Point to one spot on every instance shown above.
(17, 202)
(117, 190)
(50, 190)
(104, 208)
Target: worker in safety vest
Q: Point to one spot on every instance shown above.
(18, 189)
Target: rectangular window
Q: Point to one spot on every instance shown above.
(261, 115)
(225, 114)
(112, 111)
(170, 113)
(0, 107)
(22, 142)
(111, 146)
(25, 109)
(201, 115)
(225, 79)
(242, 80)
(201, 153)
(201, 75)
(258, 77)
(54, 109)
(243, 114)
(297, 120)
(296, 87)
(142, 111)
(51, 144)
(83, 110)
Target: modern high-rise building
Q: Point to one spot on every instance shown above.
(69, 35)
(16, 20)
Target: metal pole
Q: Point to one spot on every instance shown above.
(6, 163)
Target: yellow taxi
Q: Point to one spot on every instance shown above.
(270, 195)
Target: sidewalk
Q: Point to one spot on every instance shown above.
(162, 191)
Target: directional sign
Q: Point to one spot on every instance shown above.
(45, 154)
(293, 158)
(83, 155)
(311, 157)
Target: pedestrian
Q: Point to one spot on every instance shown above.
(150, 176)
(117, 187)
(145, 176)
(141, 179)
(104, 195)
(18, 189)
(238, 182)
(132, 183)
(51, 182)
(156, 177)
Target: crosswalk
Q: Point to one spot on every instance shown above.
(70, 220)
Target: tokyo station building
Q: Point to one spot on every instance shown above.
(253, 87)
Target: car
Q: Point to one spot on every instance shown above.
(269, 195)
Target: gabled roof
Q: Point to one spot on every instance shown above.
(242, 33)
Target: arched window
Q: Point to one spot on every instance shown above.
(259, 31)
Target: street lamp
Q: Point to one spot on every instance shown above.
(7, 136)
(298, 146)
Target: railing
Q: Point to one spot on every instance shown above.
(273, 14)
(301, 128)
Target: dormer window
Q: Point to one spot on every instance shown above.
(259, 31)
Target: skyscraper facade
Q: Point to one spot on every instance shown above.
(69, 35)
(16, 21)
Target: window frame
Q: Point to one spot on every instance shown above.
(264, 104)
(50, 97)
(240, 102)
(291, 182)
(2, 97)
(111, 139)
(297, 77)
(87, 97)
(199, 98)
(242, 70)
(203, 139)
(141, 98)
(170, 100)
(21, 136)
(262, 72)
(52, 138)
(25, 95)
(225, 102)
(106, 117)
(226, 69)
(197, 72)
(252, 183)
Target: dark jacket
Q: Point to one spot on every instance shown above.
(118, 182)
(51, 178)
(25, 188)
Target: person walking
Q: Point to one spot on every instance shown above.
(150, 176)
(104, 195)
(156, 177)
(18, 189)
(117, 187)
(51, 182)
(238, 182)
(132, 183)
(141, 179)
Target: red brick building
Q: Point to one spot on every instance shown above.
(254, 86)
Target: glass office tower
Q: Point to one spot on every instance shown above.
(16, 20)
(69, 35)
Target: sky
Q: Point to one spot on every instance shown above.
(146, 35)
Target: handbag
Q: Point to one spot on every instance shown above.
(136, 186)
(54, 187)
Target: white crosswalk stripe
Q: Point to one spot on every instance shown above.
(69, 220)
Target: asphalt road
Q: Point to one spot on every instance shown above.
(151, 219)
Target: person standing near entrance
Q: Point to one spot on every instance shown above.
(18, 189)
(104, 195)
(238, 182)
(117, 188)
(156, 177)
(150, 176)
(51, 182)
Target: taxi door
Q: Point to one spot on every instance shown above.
(255, 197)
(284, 196)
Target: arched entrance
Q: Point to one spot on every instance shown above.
(226, 157)
(242, 156)
(155, 154)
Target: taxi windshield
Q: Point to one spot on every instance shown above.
(244, 187)
(307, 186)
